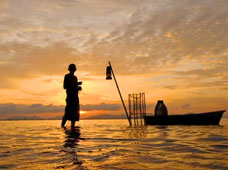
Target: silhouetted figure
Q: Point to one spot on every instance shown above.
(160, 109)
(72, 109)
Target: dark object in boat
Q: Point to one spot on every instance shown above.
(209, 118)
(160, 109)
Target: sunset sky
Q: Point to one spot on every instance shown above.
(174, 50)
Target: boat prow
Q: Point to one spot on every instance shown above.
(208, 118)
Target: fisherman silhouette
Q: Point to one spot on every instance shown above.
(72, 86)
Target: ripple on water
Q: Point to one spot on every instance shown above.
(111, 145)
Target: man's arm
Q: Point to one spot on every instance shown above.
(65, 82)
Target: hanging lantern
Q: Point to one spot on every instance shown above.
(109, 73)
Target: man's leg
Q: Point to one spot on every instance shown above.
(72, 125)
(64, 116)
(63, 121)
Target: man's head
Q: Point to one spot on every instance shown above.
(72, 68)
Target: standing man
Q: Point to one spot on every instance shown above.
(72, 86)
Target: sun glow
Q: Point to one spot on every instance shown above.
(82, 112)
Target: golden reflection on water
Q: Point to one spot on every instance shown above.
(111, 144)
(71, 143)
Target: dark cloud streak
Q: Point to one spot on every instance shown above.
(101, 106)
(10, 108)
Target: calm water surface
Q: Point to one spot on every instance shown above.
(112, 145)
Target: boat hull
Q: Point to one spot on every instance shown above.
(209, 118)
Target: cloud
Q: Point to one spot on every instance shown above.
(186, 106)
(101, 106)
(185, 41)
(199, 84)
(152, 36)
(28, 61)
(10, 108)
(167, 37)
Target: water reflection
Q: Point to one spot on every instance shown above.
(137, 132)
(163, 131)
(72, 137)
(112, 145)
(147, 132)
(71, 143)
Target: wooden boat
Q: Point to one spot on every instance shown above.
(209, 118)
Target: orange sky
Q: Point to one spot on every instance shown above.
(171, 50)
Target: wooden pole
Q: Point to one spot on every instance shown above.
(134, 109)
(140, 105)
(129, 105)
(144, 105)
(120, 94)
